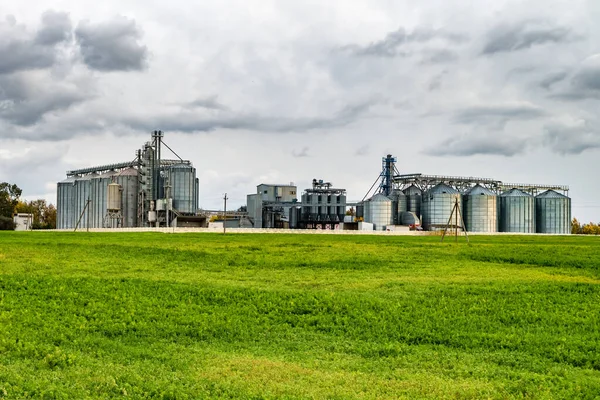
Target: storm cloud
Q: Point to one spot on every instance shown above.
(573, 138)
(481, 144)
(22, 50)
(524, 35)
(112, 45)
(498, 114)
(394, 43)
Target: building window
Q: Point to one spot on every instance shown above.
(265, 192)
(292, 192)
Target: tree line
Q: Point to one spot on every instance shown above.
(590, 228)
(44, 214)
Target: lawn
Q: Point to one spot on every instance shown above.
(188, 316)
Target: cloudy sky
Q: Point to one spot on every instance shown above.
(286, 91)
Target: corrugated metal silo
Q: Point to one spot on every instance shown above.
(182, 179)
(378, 211)
(65, 204)
(517, 212)
(437, 205)
(553, 213)
(129, 181)
(99, 194)
(414, 197)
(481, 210)
(400, 204)
(83, 193)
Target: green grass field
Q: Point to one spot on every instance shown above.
(188, 316)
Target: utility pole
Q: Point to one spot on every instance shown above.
(225, 213)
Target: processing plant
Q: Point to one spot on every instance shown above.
(486, 205)
(147, 192)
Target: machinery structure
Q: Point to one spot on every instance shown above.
(490, 205)
(148, 191)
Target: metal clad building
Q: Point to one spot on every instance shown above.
(517, 212)
(480, 210)
(553, 213)
(437, 205)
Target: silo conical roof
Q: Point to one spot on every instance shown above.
(379, 197)
(515, 193)
(412, 190)
(479, 190)
(442, 188)
(551, 194)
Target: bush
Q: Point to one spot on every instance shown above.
(7, 224)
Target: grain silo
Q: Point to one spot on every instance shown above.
(480, 210)
(129, 181)
(517, 212)
(378, 211)
(437, 204)
(65, 204)
(553, 213)
(413, 199)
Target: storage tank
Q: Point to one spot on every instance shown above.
(113, 199)
(517, 212)
(481, 210)
(65, 204)
(128, 179)
(83, 192)
(553, 213)
(413, 199)
(378, 211)
(436, 207)
(408, 218)
(400, 205)
(99, 197)
(182, 178)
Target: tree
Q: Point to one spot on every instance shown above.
(9, 198)
(350, 211)
(575, 227)
(44, 215)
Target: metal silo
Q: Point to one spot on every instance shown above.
(517, 212)
(553, 213)
(182, 179)
(99, 194)
(437, 204)
(128, 179)
(414, 197)
(65, 204)
(83, 193)
(400, 205)
(480, 210)
(378, 211)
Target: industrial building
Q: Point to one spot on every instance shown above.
(486, 205)
(276, 206)
(270, 206)
(147, 192)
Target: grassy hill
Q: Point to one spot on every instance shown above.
(186, 316)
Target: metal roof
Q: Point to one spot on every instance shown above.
(479, 190)
(551, 194)
(442, 188)
(515, 193)
(412, 190)
(380, 198)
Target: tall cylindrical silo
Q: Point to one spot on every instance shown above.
(480, 210)
(378, 211)
(65, 204)
(413, 198)
(400, 205)
(553, 213)
(436, 207)
(99, 195)
(83, 193)
(182, 179)
(128, 179)
(517, 212)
